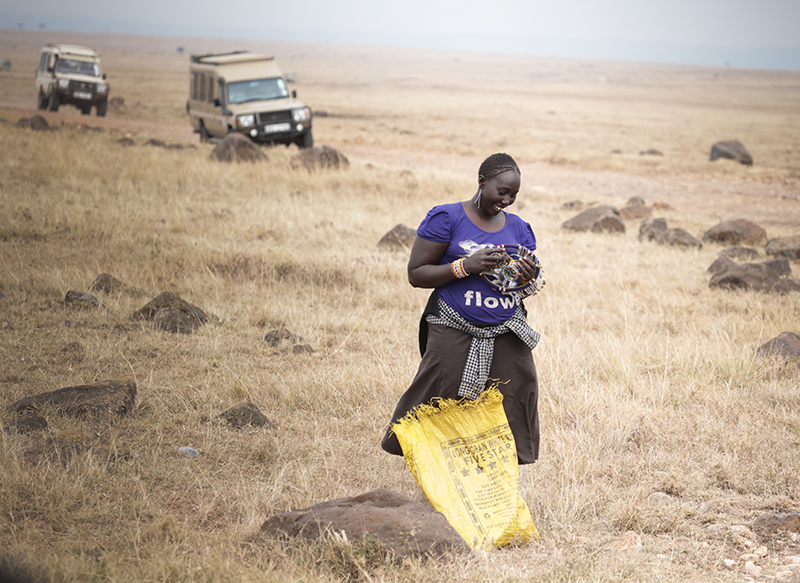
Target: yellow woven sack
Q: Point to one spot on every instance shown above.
(463, 456)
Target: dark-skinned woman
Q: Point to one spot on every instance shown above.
(473, 334)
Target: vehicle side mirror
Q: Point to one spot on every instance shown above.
(216, 102)
(294, 93)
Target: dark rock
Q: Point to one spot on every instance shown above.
(651, 152)
(740, 253)
(736, 232)
(573, 205)
(302, 349)
(400, 238)
(721, 265)
(39, 124)
(780, 266)
(637, 211)
(107, 284)
(169, 312)
(319, 157)
(23, 122)
(785, 346)
(753, 277)
(652, 229)
(598, 219)
(71, 443)
(403, 526)
(732, 150)
(680, 238)
(175, 321)
(155, 142)
(784, 247)
(80, 299)
(116, 397)
(2, 295)
(25, 423)
(278, 336)
(126, 142)
(245, 413)
(773, 523)
(236, 147)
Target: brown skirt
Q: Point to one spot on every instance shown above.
(439, 375)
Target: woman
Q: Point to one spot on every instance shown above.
(472, 333)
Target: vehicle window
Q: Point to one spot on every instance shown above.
(43, 61)
(210, 89)
(257, 90)
(80, 67)
(197, 87)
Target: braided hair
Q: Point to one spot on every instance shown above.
(496, 164)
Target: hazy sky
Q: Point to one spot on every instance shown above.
(603, 27)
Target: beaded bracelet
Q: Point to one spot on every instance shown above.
(457, 267)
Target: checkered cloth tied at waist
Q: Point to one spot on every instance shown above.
(481, 351)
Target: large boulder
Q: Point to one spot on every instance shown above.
(785, 346)
(27, 422)
(597, 219)
(319, 157)
(116, 397)
(784, 247)
(680, 238)
(740, 253)
(652, 229)
(736, 232)
(753, 277)
(732, 150)
(169, 312)
(403, 526)
(722, 264)
(400, 238)
(236, 147)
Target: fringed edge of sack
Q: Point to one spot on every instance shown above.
(438, 405)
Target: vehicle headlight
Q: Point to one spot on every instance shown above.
(303, 114)
(63, 83)
(102, 87)
(246, 121)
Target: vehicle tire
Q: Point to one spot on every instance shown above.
(102, 108)
(85, 109)
(204, 135)
(53, 102)
(306, 141)
(41, 101)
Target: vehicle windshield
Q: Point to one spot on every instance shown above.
(81, 67)
(257, 90)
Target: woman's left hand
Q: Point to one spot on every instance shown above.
(527, 268)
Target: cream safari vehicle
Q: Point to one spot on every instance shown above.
(245, 92)
(71, 74)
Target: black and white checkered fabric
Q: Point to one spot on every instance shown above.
(481, 351)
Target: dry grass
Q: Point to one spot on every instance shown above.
(649, 379)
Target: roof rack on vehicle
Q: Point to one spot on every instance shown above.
(198, 58)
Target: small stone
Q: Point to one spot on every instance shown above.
(752, 569)
(749, 557)
(729, 563)
(302, 349)
(80, 299)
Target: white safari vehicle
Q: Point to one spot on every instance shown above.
(70, 74)
(245, 92)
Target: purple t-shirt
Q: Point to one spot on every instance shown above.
(472, 297)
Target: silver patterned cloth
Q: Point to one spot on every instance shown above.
(481, 351)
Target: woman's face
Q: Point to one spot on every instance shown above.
(499, 192)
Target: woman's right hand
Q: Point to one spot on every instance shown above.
(483, 260)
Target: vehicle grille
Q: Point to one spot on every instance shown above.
(274, 116)
(81, 86)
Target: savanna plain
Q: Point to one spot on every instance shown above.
(657, 417)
